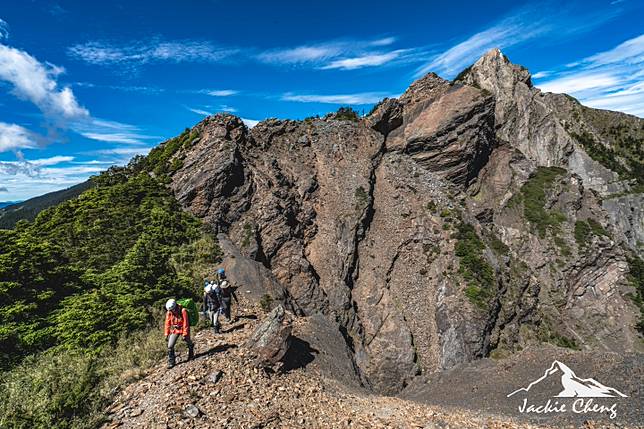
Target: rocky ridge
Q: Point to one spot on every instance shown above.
(462, 220)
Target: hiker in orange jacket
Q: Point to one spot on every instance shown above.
(177, 324)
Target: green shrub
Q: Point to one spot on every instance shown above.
(585, 229)
(474, 268)
(636, 280)
(533, 197)
(266, 302)
(247, 235)
(346, 114)
(361, 197)
(582, 233)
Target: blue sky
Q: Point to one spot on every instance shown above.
(84, 85)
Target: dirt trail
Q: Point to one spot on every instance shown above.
(221, 388)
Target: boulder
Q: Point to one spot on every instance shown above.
(271, 339)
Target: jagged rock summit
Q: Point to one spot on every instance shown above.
(465, 219)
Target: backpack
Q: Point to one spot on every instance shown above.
(191, 308)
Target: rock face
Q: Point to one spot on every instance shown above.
(270, 340)
(462, 219)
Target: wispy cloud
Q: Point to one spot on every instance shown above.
(36, 82)
(154, 50)
(24, 178)
(525, 24)
(14, 137)
(125, 88)
(112, 132)
(611, 79)
(219, 92)
(352, 99)
(209, 110)
(199, 111)
(4, 29)
(367, 60)
(341, 54)
(127, 151)
(541, 74)
(30, 168)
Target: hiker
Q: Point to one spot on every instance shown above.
(177, 323)
(224, 293)
(210, 304)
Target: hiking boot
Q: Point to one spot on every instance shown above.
(171, 359)
(191, 353)
(216, 328)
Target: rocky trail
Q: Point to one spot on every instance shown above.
(223, 388)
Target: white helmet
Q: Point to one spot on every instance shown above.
(224, 284)
(171, 304)
(208, 288)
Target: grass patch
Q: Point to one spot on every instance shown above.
(70, 389)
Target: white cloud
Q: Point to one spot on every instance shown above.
(125, 138)
(36, 82)
(385, 41)
(250, 123)
(628, 52)
(150, 51)
(129, 151)
(14, 137)
(220, 92)
(364, 60)
(4, 29)
(199, 111)
(358, 98)
(541, 74)
(579, 82)
(29, 178)
(111, 132)
(58, 159)
(341, 54)
(611, 79)
(30, 168)
(303, 54)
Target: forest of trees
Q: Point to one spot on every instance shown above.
(80, 278)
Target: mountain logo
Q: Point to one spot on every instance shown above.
(573, 386)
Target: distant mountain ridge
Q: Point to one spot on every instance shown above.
(12, 212)
(8, 203)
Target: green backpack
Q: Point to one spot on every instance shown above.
(191, 308)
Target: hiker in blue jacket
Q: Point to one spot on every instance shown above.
(224, 293)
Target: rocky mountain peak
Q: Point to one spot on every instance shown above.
(495, 73)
